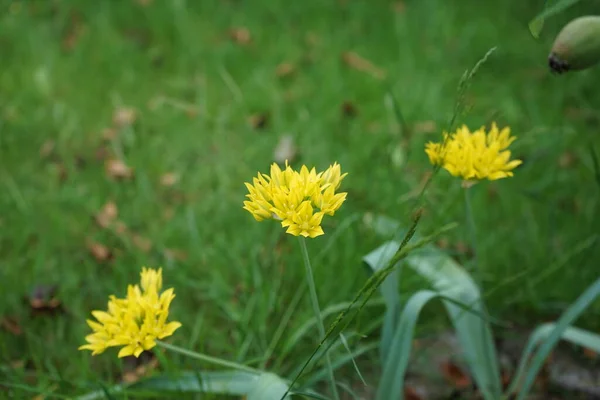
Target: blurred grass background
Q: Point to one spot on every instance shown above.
(197, 77)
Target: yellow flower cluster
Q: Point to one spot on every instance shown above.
(134, 322)
(298, 199)
(475, 155)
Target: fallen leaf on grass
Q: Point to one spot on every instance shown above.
(47, 148)
(109, 134)
(43, 299)
(175, 254)
(567, 160)
(285, 150)
(73, 33)
(353, 60)
(240, 35)
(589, 353)
(107, 215)
(259, 120)
(124, 116)
(117, 169)
(169, 179)
(455, 375)
(142, 243)
(399, 7)
(349, 110)
(425, 127)
(10, 324)
(412, 394)
(99, 251)
(285, 69)
(137, 368)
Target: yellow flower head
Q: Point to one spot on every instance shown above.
(299, 199)
(134, 322)
(475, 155)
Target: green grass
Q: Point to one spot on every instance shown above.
(240, 277)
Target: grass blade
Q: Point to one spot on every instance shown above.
(536, 24)
(392, 381)
(549, 337)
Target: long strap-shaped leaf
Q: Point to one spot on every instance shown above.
(550, 335)
(391, 385)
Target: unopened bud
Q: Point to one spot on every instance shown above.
(577, 46)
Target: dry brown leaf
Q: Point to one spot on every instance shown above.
(399, 7)
(353, 60)
(142, 243)
(109, 134)
(411, 393)
(106, 216)
(47, 148)
(425, 127)
(175, 254)
(120, 227)
(99, 251)
(567, 160)
(74, 33)
(259, 121)
(285, 150)
(124, 116)
(43, 299)
(349, 110)
(240, 35)
(455, 375)
(589, 353)
(137, 368)
(168, 213)
(10, 324)
(285, 69)
(169, 179)
(117, 169)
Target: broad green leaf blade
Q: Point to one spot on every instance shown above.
(268, 387)
(548, 337)
(473, 332)
(452, 282)
(392, 381)
(536, 24)
(265, 386)
(378, 259)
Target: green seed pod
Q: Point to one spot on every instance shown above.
(577, 46)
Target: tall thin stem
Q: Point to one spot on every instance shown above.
(204, 357)
(317, 311)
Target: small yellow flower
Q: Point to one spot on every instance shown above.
(299, 199)
(134, 322)
(475, 155)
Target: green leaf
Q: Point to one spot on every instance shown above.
(264, 386)
(548, 335)
(454, 284)
(377, 260)
(392, 380)
(536, 24)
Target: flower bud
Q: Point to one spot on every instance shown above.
(577, 46)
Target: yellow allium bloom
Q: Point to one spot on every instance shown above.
(299, 199)
(134, 322)
(475, 155)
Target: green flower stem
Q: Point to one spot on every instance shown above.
(317, 311)
(204, 357)
(487, 351)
